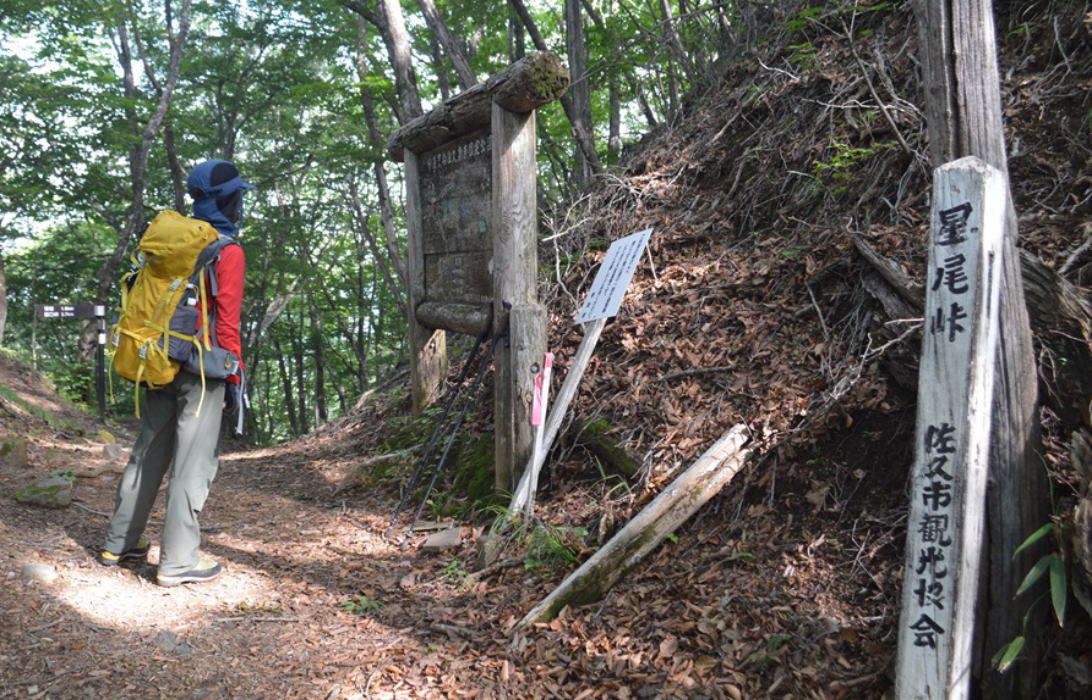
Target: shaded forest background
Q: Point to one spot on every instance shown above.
(106, 106)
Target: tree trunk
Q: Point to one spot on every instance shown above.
(380, 260)
(3, 298)
(320, 364)
(301, 384)
(963, 109)
(138, 160)
(393, 28)
(386, 211)
(584, 138)
(178, 176)
(439, 69)
(452, 46)
(580, 89)
(286, 380)
(517, 47)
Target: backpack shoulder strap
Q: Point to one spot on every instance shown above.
(208, 256)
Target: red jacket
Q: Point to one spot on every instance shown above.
(230, 279)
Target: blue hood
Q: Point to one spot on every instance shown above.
(205, 194)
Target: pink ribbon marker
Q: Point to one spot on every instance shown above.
(542, 385)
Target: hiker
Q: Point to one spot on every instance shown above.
(176, 433)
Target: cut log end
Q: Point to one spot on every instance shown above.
(531, 82)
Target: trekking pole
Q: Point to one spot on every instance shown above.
(458, 423)
(439, 425)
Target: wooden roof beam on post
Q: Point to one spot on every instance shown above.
(535, 80)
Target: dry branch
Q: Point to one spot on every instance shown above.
(674, 506)
(910, 291)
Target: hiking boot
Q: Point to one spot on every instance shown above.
(206, 570)
(137, 551)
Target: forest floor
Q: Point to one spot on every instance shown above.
(316, 602)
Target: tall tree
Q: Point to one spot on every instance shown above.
(452, 46)
(584, 137)
(138, 154)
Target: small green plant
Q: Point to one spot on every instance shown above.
(553, 547)
(764, 657)
(66, 474)
(802, 18)
(803, 55)
(455, 569)
(360, 604)
(844, 160)
(1052, 564)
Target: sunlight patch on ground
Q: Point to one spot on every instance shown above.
(122, 598)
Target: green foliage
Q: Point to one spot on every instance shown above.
(552, 547)
(455, 569)
(1051, 564)
(281, 88)
(763, 658)
(803, 18)
(360, 604)
(803, 55)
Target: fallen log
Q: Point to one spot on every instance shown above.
(595, 436)
(534, 80)
(674, 506)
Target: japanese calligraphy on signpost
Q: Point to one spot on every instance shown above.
(944, 532)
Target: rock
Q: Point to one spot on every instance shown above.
(54, 491)
(13, 452)
(445, 539)
(41, 573)
(113, 450)
(489, 550)
(169, 642)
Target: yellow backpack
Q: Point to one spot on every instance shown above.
(156, 331)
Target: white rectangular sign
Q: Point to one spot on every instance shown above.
(613, 277)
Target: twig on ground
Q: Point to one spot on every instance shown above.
(690, 372)
(455, 630)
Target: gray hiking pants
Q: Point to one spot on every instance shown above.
(174, 436)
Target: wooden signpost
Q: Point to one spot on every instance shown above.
(85, 311)
(603, 301)
(955, 396)
(472, 256)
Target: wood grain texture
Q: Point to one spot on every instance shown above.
(515, 270)
(536, 79)
(945, 530)
(428, 348)
(662, 516)
(963, 109)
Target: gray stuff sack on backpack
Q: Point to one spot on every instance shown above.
(218, 363)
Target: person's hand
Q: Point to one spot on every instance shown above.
(232, 399)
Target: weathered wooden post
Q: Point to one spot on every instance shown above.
(472, 254)
(962, 85)
(955, 394)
